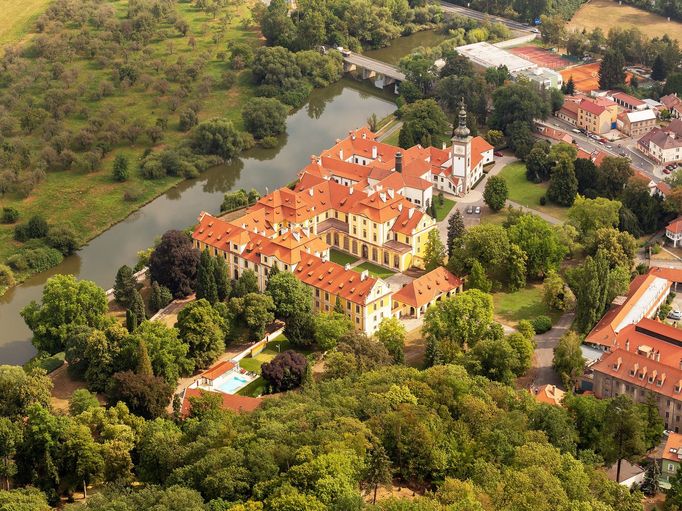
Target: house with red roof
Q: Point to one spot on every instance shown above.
(548, 394)
(673, 231)
(414, 298)
(671, 460)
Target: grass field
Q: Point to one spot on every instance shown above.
(338, 257)
(527, 193)
(443, 210)
(510, 308)
(374, 270)
(17, 17)
(607, 14)
(93, 202)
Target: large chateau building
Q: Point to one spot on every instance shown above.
(362, 197)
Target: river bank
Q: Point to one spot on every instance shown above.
(328, 115)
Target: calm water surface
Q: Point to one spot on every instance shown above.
(404, 45)
(329, 114)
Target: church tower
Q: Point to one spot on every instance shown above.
(461, 149)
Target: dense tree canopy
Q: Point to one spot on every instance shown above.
(174, 263)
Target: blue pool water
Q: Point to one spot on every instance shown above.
(231, 383)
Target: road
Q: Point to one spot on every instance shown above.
(627, 146)
(458, 10)
(543, 371)
(374, 65)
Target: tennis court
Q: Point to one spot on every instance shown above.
(586, 77)
(541, 57)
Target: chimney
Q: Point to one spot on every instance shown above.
(347, 267)
(398, 161)
(310, 192)
(444, 146)
(340, 154)
(364, 136)
(364, 275)
(658, 356)
(410, 212)
(375, 152)
(350, 191)
(627, 345)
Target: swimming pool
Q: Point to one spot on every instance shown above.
(231, 383)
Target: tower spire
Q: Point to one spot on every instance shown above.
(462, 132)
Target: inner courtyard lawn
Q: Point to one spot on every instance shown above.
(374, 270)
(527, 193)
(526, 303)
(338, 257)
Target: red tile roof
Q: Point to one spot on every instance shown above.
(673, 448)
(671, 274)
(427, 288)
(675, 226)
(626, 98)
(549, 394)
(229, 401)
(335, 279)
(592, 107)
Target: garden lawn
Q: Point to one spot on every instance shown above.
(17, 16)
(392, 139)
(338, 257)
(374, 270)
(510, 308)
(443, 210)
(527, 193)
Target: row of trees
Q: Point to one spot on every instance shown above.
(431, 429)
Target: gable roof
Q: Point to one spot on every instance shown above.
(549, 394)
(673, 448)
(675, 226)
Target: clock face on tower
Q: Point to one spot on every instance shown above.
(458, 150)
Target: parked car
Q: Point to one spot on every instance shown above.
(535, 30)
(666, 171)
(575, 130)
(477, 210)
(498, 154)
(675, 315)
(470, 210)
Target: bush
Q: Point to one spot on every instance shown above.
(63, 238)
(268, 142)
(6, 276)
(543, 200)
(36, 227)
(188, 119)
(120, 169)
(36, 259)
(9, 215)
(542, 324)
(265, 117)
(131, 195)
(21, 232)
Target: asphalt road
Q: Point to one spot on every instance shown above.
(627, 145)
(375, 65)
(477, 15)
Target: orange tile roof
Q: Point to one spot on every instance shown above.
(549, 394)
(217, 370)
(335, 279)
(604, 333)
(675, 226)
(427, 288)
(671, 274)
(592, 107)
(673, 448)
(643, 371)
(229, 401)
(406, 224)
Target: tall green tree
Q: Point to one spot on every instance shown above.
(206, 284)
(569, 86)
(245, 284)
(659, 70)
(611, 71)
(455, 230)
(120, 169)
(377, 470)
(477, 278)
(563, 185)
(496, 192)
(568, 359)
(589, 282)
(204, 330)
(391, 333)
(623, 432)
(222, 280)
(124, 286)
(434, 251)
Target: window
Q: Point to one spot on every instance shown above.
(357, 309)
(326, 296)
(317, 293)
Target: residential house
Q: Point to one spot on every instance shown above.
(627, 101)
(414, 298)
(630, 474)
(569, 112)
(548, 394)
(542, 77)
(671, 458)
(636, 124)
(554, 134)
(673, 104)
(663, 144)
(597, 115)
(673, 231)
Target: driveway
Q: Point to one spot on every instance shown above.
(544, 352)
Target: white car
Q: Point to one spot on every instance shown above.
(535, 30)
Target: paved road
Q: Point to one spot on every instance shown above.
(544, 352)
(374, 65)
(627, 145)
(449, 8)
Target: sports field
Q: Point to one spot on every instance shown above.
(541, 57)
(586, 76)
(607, 14)
(17, 16)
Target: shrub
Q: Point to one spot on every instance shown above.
(542, 324)
(228, 79)
(188, 119)
(6, 276)
(35, 259)
(285, 371)
(63, 238)
(268, 142)
(9, 215)
(21, 232)
(37, 227)
(543, 200)
(120, 169)
(131, 195)
(265, 117)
